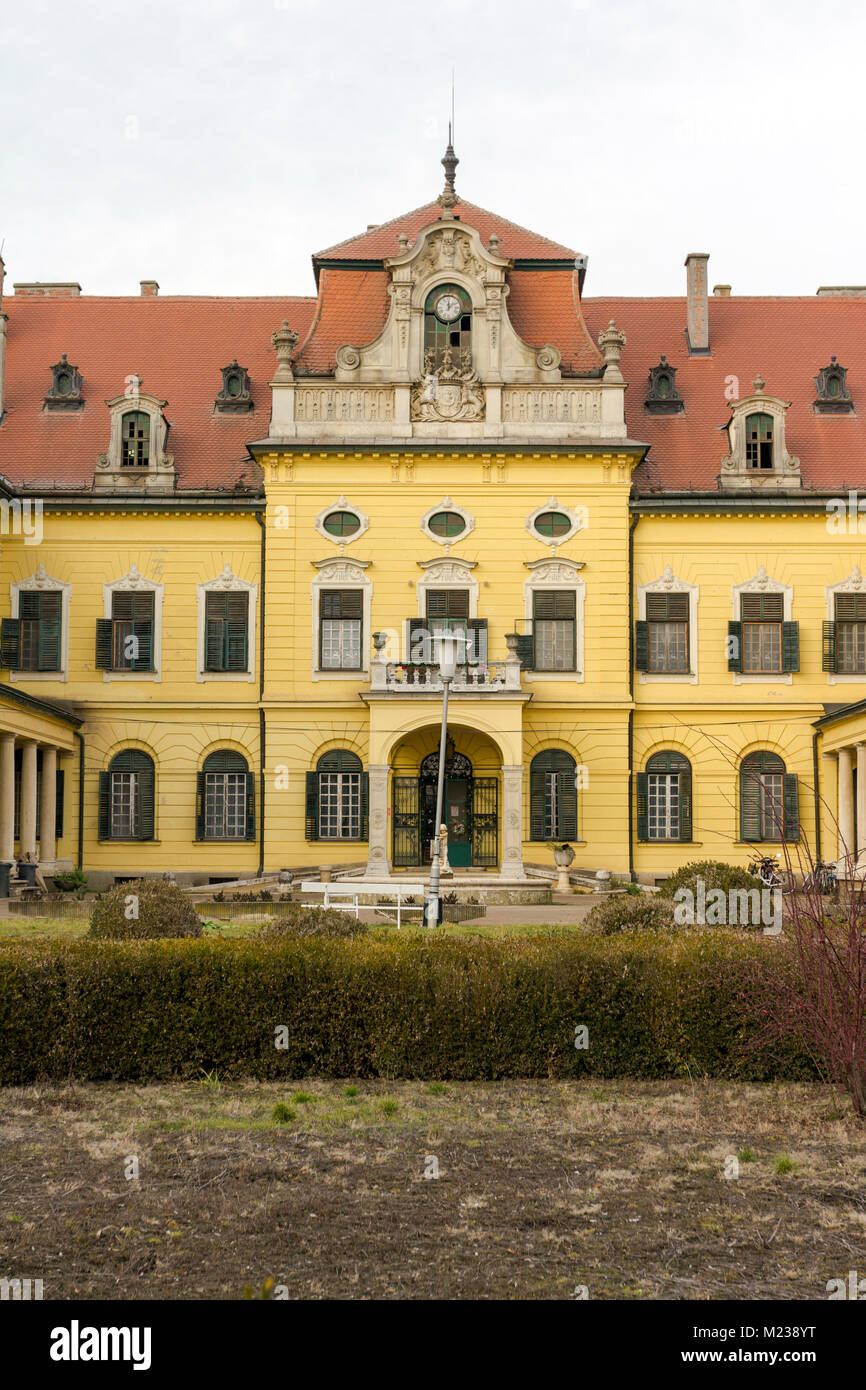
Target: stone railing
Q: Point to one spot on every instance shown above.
(417, 678)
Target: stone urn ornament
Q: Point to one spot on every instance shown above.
(563, 856)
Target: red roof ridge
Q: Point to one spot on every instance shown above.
(435, 216)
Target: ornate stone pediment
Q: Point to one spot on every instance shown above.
(446, 251)
(667, 583)
(447, 571)
(854, 584)
(555, 571)
(341, 571)
(134, 580)
(227, 580)
(41, 579)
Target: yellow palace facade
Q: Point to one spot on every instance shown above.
(231, 527)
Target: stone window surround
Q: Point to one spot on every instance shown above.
(761, 583)
(553, 506)
(448, 573)
(42, 582)
(134, 581)
(341, 505)
(159, 475)
(226, 582)
(338, 572)
(734, 474)
(854, 583)
(668, 583)
(558, 573)
(446, 505)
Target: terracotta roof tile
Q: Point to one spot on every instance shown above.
(176, 345)
(515, 241)
(787, 340)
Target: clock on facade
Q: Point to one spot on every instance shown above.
(448, 308)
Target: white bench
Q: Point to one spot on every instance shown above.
(364, 887)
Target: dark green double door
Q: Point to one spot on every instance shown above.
(470, 812)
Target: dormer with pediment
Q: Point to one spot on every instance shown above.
(448, 358)
(136, 458)
(759, 460)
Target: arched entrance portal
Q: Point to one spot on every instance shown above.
(470, 811)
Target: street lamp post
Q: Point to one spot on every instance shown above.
(446, 647)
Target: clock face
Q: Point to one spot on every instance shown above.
(448, 308)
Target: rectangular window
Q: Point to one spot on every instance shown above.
(663, 805)
(226, 636)
(39, 616)
(124, 805)
(341, 616)
(339, 805)
(551, 806)
(225, 805)
(772, 804)
(554, 623)
(762, 616)
(132, 632)
(851, 633)
(668, 632)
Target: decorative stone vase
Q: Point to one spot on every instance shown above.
(563, 857)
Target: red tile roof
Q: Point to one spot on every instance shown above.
(544, 307)
(352, 308)
(515, 241)
(787, 341)
(176, 346)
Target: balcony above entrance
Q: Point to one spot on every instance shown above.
(418, 679)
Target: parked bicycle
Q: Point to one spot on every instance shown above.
(824, 876)
(771, 873)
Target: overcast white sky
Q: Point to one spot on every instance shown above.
(213, 145)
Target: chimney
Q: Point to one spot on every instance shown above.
(149, 289)
(38, 289)
(722, 291)
(697, 304)
(841, 291)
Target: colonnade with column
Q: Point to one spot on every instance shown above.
(851, 806)
(29, 833)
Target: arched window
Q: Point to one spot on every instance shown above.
(768, 799)
(447, 328)
(337, 798)
(126, 797)
(553, 796)
(225, 798)
(135, 440)
(664, 798)
(759, 441)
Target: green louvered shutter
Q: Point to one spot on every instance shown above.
(685, 777)
(790, 646)
(365, 806)
(537, 785)
(526, 650)
(58, 804)
(143, 630)
(566, 793)
(828, 647)
(420, 646)
(641, 646)
(104, 643)
(476, 653)
(237, 622)
(10, 643)
(735, 659)
(642, 820)
(105, 805)
(213, 643)
(312, 812)
(792, 807)
(750, 804)
(251, 805)
(199, 805)
(50, 612)
(145, 803)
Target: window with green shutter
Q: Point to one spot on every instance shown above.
(667, 633)
(768, 644)
(849, 633)
(665, 798)
(553, 796)
(225, 798)
(126, 797)
(338, 798)
(39, 622)
(554, 619)
(341, 621)
(127, 645)
(768, 799)
(226, 631)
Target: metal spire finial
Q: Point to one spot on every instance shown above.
(448, 198)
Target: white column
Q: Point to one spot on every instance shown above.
(27, 816)
(845, 811)
(512, 822)
(7, 798)
(378, 863)
(48, 806)
(861, 798)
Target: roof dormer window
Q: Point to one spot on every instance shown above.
(135, 459)
(759, 440)
(135, 440)
(758, 456)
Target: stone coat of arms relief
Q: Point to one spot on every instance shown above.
(450, 391)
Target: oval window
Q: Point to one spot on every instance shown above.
(552, 524)
(341, 524)
(447, 524)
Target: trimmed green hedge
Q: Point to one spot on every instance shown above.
(655, 1006)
